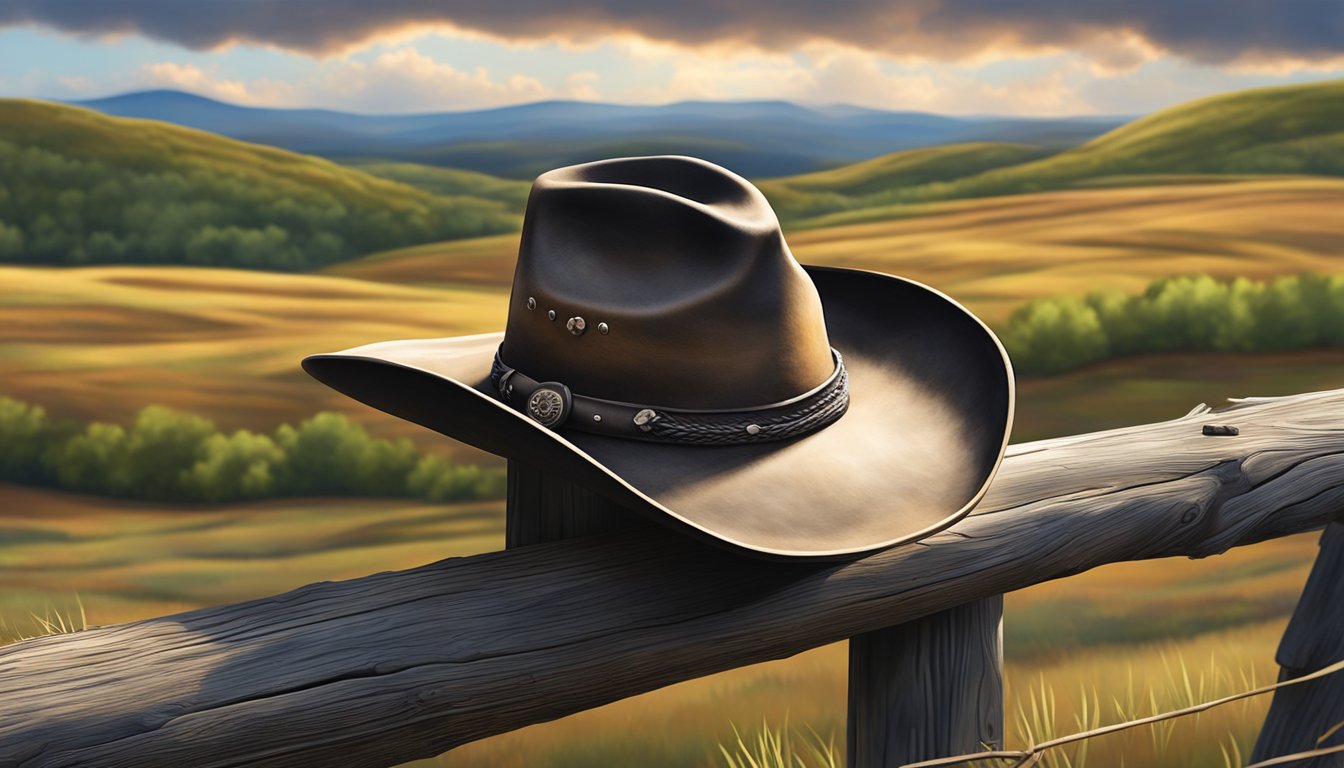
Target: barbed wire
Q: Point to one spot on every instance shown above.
(1033, 755)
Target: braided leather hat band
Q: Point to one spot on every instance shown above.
(552, 405)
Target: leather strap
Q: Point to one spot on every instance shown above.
(552, 405)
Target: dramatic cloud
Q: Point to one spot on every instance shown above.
(829, 73)
(398, 80)
(1117, 32)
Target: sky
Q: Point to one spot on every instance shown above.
(1030, 57)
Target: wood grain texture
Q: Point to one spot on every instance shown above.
(931, 687)
(1301, 714)
(545, 507)
(400, 665)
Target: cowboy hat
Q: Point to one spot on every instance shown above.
(664, 349)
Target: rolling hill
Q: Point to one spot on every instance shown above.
(78, 187)
(996, 254)
(758, 139)
(885, 179)
(453, 182)
(81, 188)
(1287, 130)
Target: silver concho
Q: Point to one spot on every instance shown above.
(547, 406)
(645, 418)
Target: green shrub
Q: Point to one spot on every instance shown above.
(24, 439)
(1178, 314)
(331, 454)
(435, 479)
(1055, 335)
(243, 465)
(169, 455)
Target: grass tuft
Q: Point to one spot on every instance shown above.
(52, 621)
(777, 748)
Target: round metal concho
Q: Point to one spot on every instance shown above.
(549, 404)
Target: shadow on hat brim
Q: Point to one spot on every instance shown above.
(931, 407)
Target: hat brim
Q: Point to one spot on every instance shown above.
(931, 407)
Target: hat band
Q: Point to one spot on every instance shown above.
(552, 405)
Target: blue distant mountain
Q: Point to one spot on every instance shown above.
(758, 139)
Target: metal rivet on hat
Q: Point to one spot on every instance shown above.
(531, 303)
(603, 328)
(597, 417)
(753, 429)
(551, 314)
(577, 326)
(645, 418)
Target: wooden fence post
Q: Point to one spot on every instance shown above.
(930, 688)
(1300, 714)
(543, 506)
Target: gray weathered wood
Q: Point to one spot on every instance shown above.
(1301, 714)
(928, 688)
(932, 687)
(394, 666)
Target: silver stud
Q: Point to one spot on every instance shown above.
(603, 328)
(645, 418)
(753, 429)
(531, 303)
(551, 314)
(597, 417)
(577, 326)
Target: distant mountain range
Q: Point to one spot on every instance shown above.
(759, 139)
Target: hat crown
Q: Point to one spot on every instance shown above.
(670, 284)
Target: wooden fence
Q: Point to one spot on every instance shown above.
(396, 666)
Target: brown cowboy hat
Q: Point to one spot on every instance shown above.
(664, 349)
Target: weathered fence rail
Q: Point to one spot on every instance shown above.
(395, 666)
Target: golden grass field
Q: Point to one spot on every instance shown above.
(102, 342)
(994, 254)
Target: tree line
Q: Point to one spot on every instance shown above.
(168, 455)
(1177, 314)
(80, 189)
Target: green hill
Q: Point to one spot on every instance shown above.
(1295, 129)
(886, 179)
(77, 187)
(453, 181)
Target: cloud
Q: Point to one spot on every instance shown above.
(187, 77)
(1114, 31)
(398, 80)
(402, 77)
(825, 73)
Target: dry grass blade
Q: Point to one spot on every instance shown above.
(1331, 732)
(1231, 759)
(1054, 743)
(52, 622)
(776, 749)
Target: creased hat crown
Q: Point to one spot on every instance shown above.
(669, 283)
